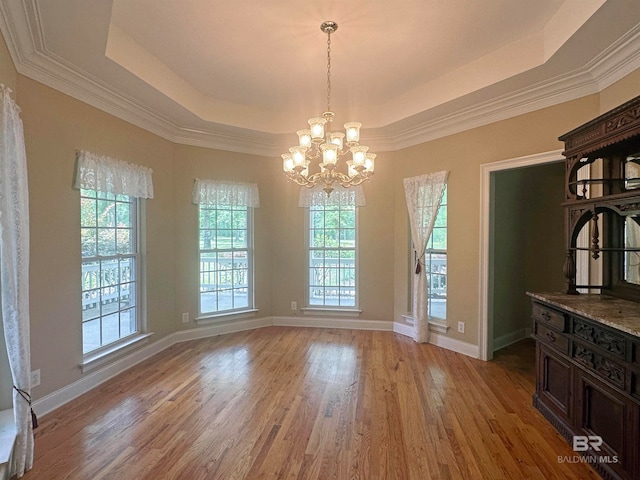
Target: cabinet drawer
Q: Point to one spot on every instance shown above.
(551, 337)
(602, 337)
(608, 370)
(547, 316)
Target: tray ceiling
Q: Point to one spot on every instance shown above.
(245, 75)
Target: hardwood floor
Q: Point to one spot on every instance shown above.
(308, 404)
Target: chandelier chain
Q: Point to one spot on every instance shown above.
(329, 71)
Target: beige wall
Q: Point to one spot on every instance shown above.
(462, 154)
(194, 162)
(8, 75)
(375, 242)
(620, 92)
(57, 125)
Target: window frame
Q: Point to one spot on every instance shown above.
(250, 249)
(136, 226)
(311, 308)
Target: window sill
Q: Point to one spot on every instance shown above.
(208, 319)
(332, 312)
(95, 360)
(437, 325)
(7, 436)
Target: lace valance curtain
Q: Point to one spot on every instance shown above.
(110, 175)
(216, 192)
(315, 196)
(423, 195)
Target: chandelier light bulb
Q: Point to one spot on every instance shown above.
(353, 131)
(317, 128)
(298, 155)
(337, 138)
(359, 154)
(351, 171)
(287, 162)
(304, 137)
(369, 163)
(329, 153)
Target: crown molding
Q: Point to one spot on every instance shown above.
(21, 26)
(614, 63)
(413, 131)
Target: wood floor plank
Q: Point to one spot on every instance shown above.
(296, 403)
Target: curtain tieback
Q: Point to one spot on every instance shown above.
(418, 263)
(27, 398)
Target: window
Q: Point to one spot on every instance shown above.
(332, 255)
(226, 258)
(435, 260)
(110, 266)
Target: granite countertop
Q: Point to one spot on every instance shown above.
(614, 312)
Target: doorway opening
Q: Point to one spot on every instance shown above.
(522, 243)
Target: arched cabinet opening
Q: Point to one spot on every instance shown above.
(602, 204)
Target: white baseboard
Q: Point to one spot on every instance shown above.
(325, 322)
(468, 349)
(403, 329)
(220, 329)
(56, 399)
(91, 380)
(440, 340)
(509, 338)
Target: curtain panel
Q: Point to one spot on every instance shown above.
(423, 195)
(317, 197)
(217, 192)
(110, 175)
(14, 275)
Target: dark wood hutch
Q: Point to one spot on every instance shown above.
(588, 344)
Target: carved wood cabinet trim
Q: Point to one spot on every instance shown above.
(588, 383)
(611, 137)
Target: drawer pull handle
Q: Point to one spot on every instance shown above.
(551, 336)
(546, 316)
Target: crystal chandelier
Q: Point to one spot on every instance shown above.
(320, 141)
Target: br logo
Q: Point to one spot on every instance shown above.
(583, 443)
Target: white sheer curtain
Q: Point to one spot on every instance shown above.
(14, 255)
(423, 195)
(316, 196)
(217, 192)
(106, 174)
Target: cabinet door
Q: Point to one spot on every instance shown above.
(554, 382)
(603, 412)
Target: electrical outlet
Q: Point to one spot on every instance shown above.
(294, 305)
(460, 327)
(185, 317)
(35, 378)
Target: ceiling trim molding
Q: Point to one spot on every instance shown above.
(21, 27)
(562, 89)
(617, 61)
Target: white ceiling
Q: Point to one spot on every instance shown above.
(244, 75)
